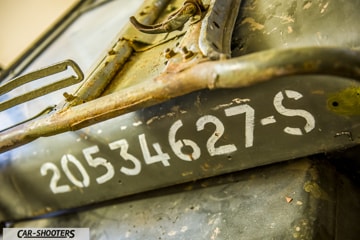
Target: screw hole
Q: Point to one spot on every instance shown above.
(335, 104)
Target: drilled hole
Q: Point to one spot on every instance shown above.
(335, 104)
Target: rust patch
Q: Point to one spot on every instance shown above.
(253, 24)
(307, 5)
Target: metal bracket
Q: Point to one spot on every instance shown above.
(217, 27)
(33, 76)
(175, 21)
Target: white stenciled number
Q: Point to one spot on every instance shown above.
(160, 155)
(310, 120)
(55, 188)
(124, 146)
(249, 121)
(178, 145)
(98, 161)
(68, 158)
(219, 131)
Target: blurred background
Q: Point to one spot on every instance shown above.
(22, 21)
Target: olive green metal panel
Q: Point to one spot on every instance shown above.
(194, 133)
(199, 135)
(268, 24)
(302, 199)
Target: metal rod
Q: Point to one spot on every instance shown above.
(234, 73)
(116, 56)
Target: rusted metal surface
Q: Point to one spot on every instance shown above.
(157, 68)
(318, 130)
(292, 200)
(266, 24)
(191, 70)
(176, 20)
(235, 73)
(216, 32)
(181, 74)
(87, 41)
(115, 58)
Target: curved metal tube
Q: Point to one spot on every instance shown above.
(234, 73)
(175, 21)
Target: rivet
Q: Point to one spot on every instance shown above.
(169, 53)
(187, 53)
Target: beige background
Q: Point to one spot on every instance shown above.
(22, 21)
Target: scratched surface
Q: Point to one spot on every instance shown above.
(226, 208)
(266, 24)
(199, 135)
(292, 200)
(80, 42)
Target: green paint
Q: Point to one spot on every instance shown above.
(346, 102)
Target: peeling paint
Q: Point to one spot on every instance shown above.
(172, 233)
(222, 106)
(235, 100)
(290, 29)
(240, 100)
(138, 123)
(253, 24)
(268, 120)
(315, 190)
(184, 229)
(285, 19)
(307, 5)
(323, 9)
(184, 174)
(215, 233)
(170, 114)
(151, 120)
